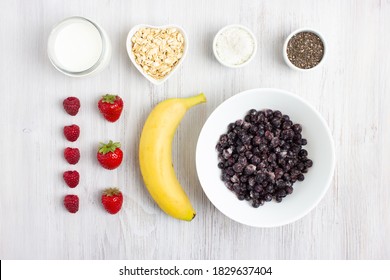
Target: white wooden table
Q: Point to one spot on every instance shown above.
(352, 91)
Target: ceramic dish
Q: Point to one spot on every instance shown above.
(306, 195)
(285, 57)
(132, 57)
(223, 30)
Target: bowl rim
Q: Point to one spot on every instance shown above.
(131, 55)
(232, 26)
(285, 57)
(328, 132)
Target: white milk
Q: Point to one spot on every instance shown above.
(77, 46)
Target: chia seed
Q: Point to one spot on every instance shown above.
(305, 50)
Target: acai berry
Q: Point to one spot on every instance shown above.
(261, 156)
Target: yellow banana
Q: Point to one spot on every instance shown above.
(155, 156)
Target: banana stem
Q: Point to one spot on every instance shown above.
(194, 100)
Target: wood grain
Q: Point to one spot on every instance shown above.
(351, 91)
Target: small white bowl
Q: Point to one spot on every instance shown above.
(223, 30)
(289, 63)
(132, 57)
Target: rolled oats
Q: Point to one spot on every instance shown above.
(158, 51)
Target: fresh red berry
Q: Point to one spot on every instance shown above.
(71, 203)
(72, 155)
(111, 107)
(112, 200)
(72, 105)
(71, 178)
(72, 132)
(110, 155)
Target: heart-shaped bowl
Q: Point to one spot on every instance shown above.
(132, 56)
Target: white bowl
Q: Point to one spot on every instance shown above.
(215, 45)
(132, 57)
(289, 63)
(307, 194)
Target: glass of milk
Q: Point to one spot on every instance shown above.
(79, 47)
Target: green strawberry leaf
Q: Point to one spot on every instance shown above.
(109, 147)
(109, 98)
(111, 191)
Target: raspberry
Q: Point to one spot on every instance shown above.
(71, 178)
(72, 105)
(71, 203)
(72, 132)
(72, 155)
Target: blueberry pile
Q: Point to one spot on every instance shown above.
(261, 157)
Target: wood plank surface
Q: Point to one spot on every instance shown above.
(351, 91)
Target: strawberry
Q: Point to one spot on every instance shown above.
(110, 155)
(72, 132)
(72, 155)
(112, 200)
(111, 107)
(72, 105)
(71, 203)
(71, 178)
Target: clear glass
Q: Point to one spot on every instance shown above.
(100, 64)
